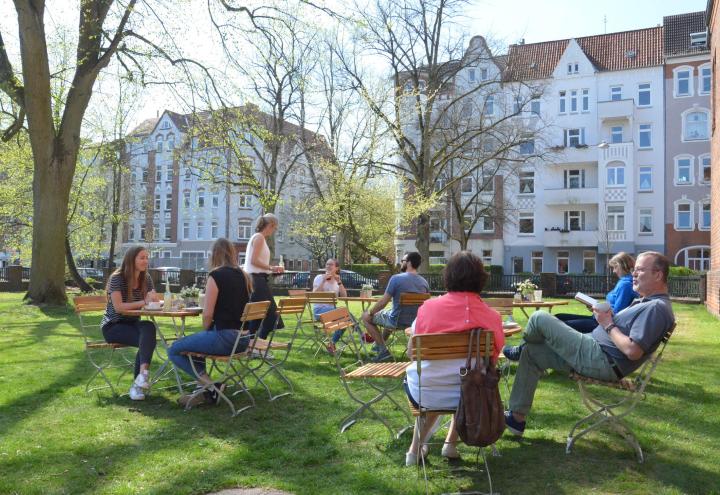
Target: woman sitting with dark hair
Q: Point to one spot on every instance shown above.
(460, 310)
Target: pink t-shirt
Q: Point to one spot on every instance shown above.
(458, 312)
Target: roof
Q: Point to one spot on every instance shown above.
(677, 33)
(144, 128)
(607, 52)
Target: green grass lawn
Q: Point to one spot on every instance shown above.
(56, 439)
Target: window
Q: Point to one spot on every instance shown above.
(683, 215)
(615, 218)
(517, 105)
(645, 179)
(705, 80)
(527, 182)
(188, 173)
(695, 126)
(574, 179)
(490, 105)
(466, 185)
(487, 257)
(214, 229)
(483, 74)
(683, 171)
(245, 201)
(698, 259)
(166, 233)
(518, 266)
(215, 198)
(168, 202)
(156, 232)
(131, 233)
(488, 181)
(170, 142)
(644, 94)
(645, 224)
(244, 229)
(616, 134)
(471, 75)
(200, 230)
(645, 135)
(158, 175)
(201, 198)
(615, 93)
(562, 102)
(146, 145)
(705, 169)
(573, 101)
(536, 260)
(165, 125)
(159, 144)
(527, 222)
(573, 68)
(682, 82)
(157, 202)
(705, 215)
(589, 258)
(574, 220)
(142, 232)
(487, 224)
(527, 147)
(585, 100)
(186, 230)
(616, 176)
(144, 176)
(169, 174)
(563, 261)
(535, 107)
(186, 198)
(574, 137)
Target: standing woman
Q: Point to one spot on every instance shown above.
(130, 287)
(226, 293)
(257, 264)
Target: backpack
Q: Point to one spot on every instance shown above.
(479, 419)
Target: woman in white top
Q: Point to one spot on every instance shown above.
(257, 264)
(329, 282)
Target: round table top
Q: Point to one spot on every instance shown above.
(539, 304)
(160, 312)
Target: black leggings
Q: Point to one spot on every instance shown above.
(262, 292)
(135, 333)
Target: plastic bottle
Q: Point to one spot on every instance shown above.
(281, 264)
(167, 303)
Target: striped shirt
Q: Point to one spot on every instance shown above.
(118, 283)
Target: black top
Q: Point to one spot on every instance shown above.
(118, 283)
(232, 297)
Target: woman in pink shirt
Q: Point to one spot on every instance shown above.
(460, 310)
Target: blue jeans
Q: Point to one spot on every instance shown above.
(319, 309)
(218, 342)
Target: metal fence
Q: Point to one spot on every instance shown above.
(686, 287)
(25, 274)
(4, 274)
(568, 285)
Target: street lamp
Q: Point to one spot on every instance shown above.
(603, 144)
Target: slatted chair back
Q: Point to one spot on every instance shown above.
(337, 319)
(413, 298)
(502, 305)
(291, 306)
(86, 304)
(432, 346)
(255, 311)
(297, 292)
(321, 298)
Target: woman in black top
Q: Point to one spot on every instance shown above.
(226, 294)
(130, 287)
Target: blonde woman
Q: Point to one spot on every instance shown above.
(130, 287)
(257, 264)
(226, 293)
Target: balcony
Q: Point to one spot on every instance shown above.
(618, 151)
(573, 154)
(564, 197)
(616, 110)
(574, 238)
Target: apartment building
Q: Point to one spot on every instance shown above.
(688, 80)
(180, 203)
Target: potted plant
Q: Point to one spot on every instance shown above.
(366, 290)
(525, 288)
(190, 295)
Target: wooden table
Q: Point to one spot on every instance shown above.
(538, 304)
(179, 331)
(365, 301)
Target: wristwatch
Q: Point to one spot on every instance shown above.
(610, 327)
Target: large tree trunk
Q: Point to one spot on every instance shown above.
(422, 241)
(51, 192)
(72, 268)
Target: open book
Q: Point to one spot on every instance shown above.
(591, 302)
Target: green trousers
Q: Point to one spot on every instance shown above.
(551, 344)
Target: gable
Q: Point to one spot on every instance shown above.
(573, 62)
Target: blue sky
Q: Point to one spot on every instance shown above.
(542, 20)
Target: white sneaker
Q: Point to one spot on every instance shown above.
(450, 451)
(142, 380)
(136, 393)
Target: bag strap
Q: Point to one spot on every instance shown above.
(468, 361)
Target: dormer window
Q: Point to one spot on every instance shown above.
(573, 68)
(698, 39)
(471, 75)
(165, 125)
(483, 74)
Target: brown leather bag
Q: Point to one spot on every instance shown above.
(479, 419)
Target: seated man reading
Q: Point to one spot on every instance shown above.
(616, 347)
(397, 317)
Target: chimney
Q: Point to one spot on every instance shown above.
(522, 41)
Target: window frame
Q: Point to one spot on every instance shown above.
(584, 100)
(562, 255)
(702, 167)
(526, 215)
(702, 77)
(676, 81)
(645, 128)
(640, 91)
(702, 204)
(562, 98)
(684, 124)
(535, 258)
(589, 255)
(690, 167)
(616, 215)
(615, 168)
(526, 177)
(690, 215)
(645, 212)
(613, 134)
(645, 169)
(616, 93)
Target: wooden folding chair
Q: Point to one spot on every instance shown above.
(610, 412)
(273, 354)
(504, 306)
(378, 380)
(297, 292)
(233, 366)
(319, 339)
(102, 355)
(435, 346)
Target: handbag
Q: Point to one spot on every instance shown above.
(479, 419)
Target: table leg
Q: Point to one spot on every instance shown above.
(524, 312)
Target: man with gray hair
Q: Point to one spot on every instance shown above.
(618, 346)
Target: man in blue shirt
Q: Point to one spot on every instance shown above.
(397, 317)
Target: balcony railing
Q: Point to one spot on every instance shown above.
(586, 195)
(573, 238)
(617, 109)
(618, 151)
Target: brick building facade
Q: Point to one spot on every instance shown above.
(713, 276)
